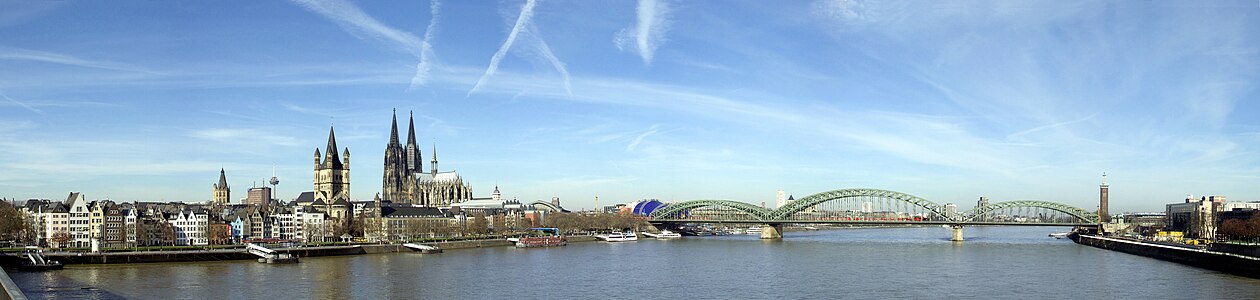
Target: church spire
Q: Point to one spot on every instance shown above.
(415, 160)
(411, 129)
(434, 168)
(222, 179)
(330, 154)
(393, 132)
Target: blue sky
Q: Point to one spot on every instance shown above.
(146, 100)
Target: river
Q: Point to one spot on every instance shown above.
(920, 262)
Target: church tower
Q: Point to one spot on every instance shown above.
(332, 173)
(222, 193)
(415, 161)
(393, 181)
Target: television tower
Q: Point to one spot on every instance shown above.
(274, 181)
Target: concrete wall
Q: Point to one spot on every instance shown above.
(1224, 262)
(241, 254)
(8, 289)
(1248, 250)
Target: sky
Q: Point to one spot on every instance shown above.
(624, 100)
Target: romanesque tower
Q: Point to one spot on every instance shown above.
(222, 193)
(332, 172)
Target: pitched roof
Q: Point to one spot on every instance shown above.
(412, 212)
(306, 197)
(222, 179)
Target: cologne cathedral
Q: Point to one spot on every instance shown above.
(405, 181)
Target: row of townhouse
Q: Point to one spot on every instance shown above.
(77, 223)
(295, 223)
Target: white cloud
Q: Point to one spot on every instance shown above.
(245, 137)
(649, 31)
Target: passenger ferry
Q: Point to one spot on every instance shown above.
(618, 237)
(753, 230)
(665, 234)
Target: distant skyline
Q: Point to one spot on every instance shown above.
(675, 100)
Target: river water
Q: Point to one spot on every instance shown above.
(994, 262)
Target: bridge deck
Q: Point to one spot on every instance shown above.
(870, 222)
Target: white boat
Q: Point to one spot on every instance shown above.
(753, 230)
(1059, 235)
(618, 237)
(665, 234)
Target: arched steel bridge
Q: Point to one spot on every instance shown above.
(874, 206)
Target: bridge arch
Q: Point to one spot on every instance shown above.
(1081, 215)
(674, 211)
(785, 212)
(548, 206)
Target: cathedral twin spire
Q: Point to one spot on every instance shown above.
(401, 161)
(411, 161)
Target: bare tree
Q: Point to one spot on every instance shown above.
(13, 225)
(478, 223)
(61, 238)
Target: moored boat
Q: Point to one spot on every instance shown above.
(541, 237)
(753, 230)
(664, 234)
(618, 236)
(35, 261)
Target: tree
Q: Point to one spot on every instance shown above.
(478, 223)
(141, 233)
(217, 234)
(166, 234)
(61, 238)
(1238, 229)
(499, 223)
(13, 225)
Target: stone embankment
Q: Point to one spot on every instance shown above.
(241, 254)
(1232, 263)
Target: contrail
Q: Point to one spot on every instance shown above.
(19, 103)
(426, 48)
(649, 32)
(635, 144)
(555, 62)
(354, 20)
(527, 12)
(357, 22)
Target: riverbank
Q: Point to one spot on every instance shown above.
(1231, 263)
(242, 254)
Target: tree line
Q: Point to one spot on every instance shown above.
(1241, 230)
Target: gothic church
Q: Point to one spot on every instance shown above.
(404, 179)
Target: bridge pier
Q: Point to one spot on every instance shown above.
(958, 233)
(772, 231)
